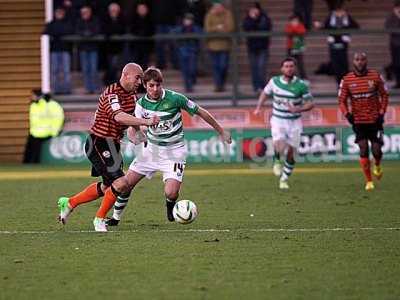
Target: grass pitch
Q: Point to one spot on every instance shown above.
(325, 238)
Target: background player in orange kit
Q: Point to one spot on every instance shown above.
(368, 101)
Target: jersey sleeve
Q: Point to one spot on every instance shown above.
(343, 95)
(383, 92)
(268, 88)
(112, 105)
(188, 105)
(307, 96)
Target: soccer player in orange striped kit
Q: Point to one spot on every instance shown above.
(368, 103)
(113, 116)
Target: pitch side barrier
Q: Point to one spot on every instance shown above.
(327, 137)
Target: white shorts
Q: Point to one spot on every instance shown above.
(150, 159)
(287, 130)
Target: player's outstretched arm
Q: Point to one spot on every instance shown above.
(261, 100)
(136, 135)
(127, 119)
(206, 116)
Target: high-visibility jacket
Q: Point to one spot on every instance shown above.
(55, 115)
(39, 126)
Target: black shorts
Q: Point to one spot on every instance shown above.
(106, 159)
(372, 132)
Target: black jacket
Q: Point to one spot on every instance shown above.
(142, 27)
(56, 29)
(113, 27)
(345, 22)
(88, 29)
(262, 23)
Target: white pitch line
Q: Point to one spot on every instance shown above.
(26, 175)
(338, 229)
(323, 229)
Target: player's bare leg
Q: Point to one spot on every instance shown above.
(288, 167)
(124, 185)
(171, 190)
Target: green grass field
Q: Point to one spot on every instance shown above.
(326, 238)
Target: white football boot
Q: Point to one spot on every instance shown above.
(283, 185)
(99, 225)
(277, 168)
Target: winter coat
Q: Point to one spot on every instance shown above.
(262, 23)
(211, 25)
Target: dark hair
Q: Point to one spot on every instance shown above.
(37, 92)
(288, 59)
(47, 96)
(295, 16)
(338, 6)
(152, 73)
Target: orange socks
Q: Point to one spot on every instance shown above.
(89, 194)
(92, 193)
(365, 165)
(108, 201)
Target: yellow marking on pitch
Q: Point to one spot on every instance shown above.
(35, 175)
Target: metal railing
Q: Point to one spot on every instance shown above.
(236, 38)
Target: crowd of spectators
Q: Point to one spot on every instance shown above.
(144, 18)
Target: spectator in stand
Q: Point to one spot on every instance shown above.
(257, 47)
(303, 9)
(339, 19)
(71, 8)
(188, 51)
(113, 24)
(219, 19)
(142, 26)
(60, 52)
(166, 15)
(88, 26)
(295, 32)
(101, 9)
(198, 8)
(393, 22)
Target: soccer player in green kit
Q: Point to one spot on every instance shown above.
(290, 98)
(164, 149)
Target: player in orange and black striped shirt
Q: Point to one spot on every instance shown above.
(368, 103)
(113, 115)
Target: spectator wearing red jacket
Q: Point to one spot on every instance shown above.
(295, 31)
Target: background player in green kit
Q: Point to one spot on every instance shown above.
(164, 149)
(290, 97)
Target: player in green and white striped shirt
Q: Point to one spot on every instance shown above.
(164, 149)
(290, 97)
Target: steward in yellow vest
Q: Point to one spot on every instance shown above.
(46, 120)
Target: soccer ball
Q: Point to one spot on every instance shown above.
(185, 211)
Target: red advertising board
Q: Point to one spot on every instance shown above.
(326, 116)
